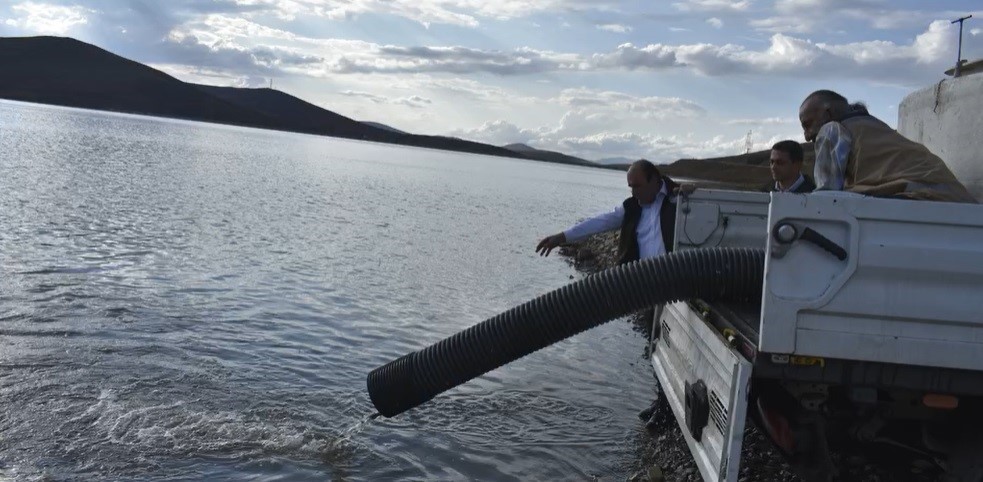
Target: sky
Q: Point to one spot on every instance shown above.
(660, 80)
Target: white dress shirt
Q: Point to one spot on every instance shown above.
(648, 232)
(795, 185)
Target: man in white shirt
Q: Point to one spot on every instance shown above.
(647, 219)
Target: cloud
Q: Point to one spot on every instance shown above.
(607, 144)
(593, 145)
(450, 12)
(931, 46)
(789, 56)
(800, 6)
(613, 27)
(879, 14)
(498, 133)
(976, 31)
(782, 25)
(763, 121)
(378, 99)
(678, 29)
(657, 148)
(887, 18)
(414, 101)
(211, 76)
(645, 107)
(715, 22)
(262, 50)
(217, 55)
(251, 81)
(597, 124)
(425, 12)
(222, 34)
(713, 5)
(48, 19)
(603, 124)
(456, 60)
(629, 57)
(235, 43)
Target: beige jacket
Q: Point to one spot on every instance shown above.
(882, 162)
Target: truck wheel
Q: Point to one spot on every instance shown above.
(799, 434)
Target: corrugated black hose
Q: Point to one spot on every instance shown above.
(710, 274)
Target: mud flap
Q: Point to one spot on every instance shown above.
(706, 384)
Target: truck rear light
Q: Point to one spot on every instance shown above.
(937, 400)
(777, 427)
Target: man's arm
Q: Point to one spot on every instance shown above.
(597, 224)
(832, 153)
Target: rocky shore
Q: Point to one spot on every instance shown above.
(667, 457)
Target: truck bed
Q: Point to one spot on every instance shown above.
(745, 319)
(901, 284)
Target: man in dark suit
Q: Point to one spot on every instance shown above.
(786, 169)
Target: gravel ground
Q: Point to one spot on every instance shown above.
(667, 457)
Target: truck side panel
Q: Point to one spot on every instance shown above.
(910, 290)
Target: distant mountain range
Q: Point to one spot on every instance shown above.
(68, 72)
(615, 160)
(549, 156)
(379, 125)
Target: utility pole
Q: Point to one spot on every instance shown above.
(271, 83)
(959, 53)
(748, 143)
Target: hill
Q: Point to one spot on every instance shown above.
(379, 125)
(52, 70)
(548, 156)
(292, 113)
(68, 72)
(65, 71)
(742, 172)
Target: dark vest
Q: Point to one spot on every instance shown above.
(628, 241)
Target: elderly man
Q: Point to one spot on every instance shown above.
(786, 169)
(647, 219)
(857, 152)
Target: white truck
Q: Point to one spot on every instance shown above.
(869, 330)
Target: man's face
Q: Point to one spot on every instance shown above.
(783, 169)
(643, 190)
(812, 115)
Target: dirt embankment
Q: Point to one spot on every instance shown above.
(746, 172)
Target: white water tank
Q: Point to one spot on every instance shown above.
(948, 119)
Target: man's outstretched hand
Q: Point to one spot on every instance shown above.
(548, 243)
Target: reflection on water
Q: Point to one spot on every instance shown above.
(187, 301)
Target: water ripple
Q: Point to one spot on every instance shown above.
(184, 301)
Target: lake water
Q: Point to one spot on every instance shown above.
(181, 300)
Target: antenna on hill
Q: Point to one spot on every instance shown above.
(748, 143)
(959, 53)
(271, 83)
